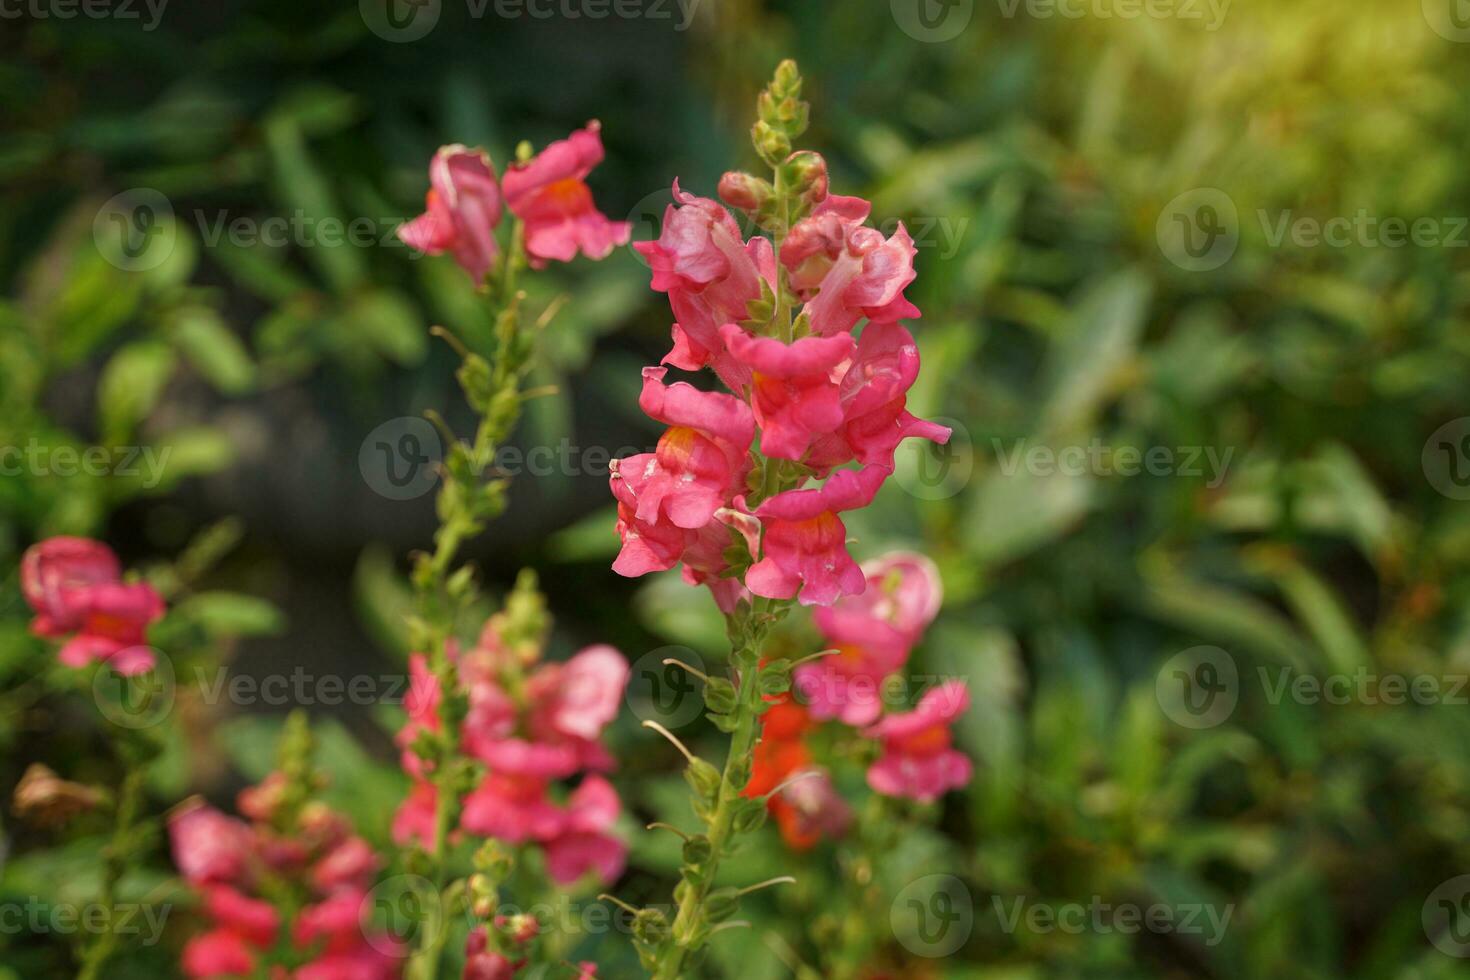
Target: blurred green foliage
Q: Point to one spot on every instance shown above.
(1035, 160)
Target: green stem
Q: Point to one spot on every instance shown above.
(115, 864)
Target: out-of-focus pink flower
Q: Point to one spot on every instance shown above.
(903, 596)
(218, 953)
(808, 809)
(54, 576)
(513, 809)
(874, 390)
(577, 699)
(350, 864)
(332, 924)
(422, 704)
(250, 918)
(873, 632)
(414, 819)
(793, 392)
(586, 970)
(208, 846)
(550, 194)
(363, 962)
(584, 843)
(483, 963)
(710, 275)
(918, 759)
(116, 616)
(701, 460)
(805, 542)
(463, 207)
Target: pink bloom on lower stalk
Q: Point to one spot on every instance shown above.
(848, 685)
(903, 596)
(584, 844)
(513, 809)
(361, 963)
(483, 963)
(333, 924)
(208, 846)
(218, 953)
(874, 390)
(805, 542)
(55, 574)
(549, 193)
(793, 392)
(414, 819)
(463, 207)
(350, 864)
(254, 920)
(918, 759)
(703, 457)
(114, 628)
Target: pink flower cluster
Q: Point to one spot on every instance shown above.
(241, 868)
(874, 633)
(832, 395)
(515, 934)
(75, 587)
(530, 729)
(548, 193)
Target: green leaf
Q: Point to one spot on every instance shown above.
(131, 384)
(213, 349)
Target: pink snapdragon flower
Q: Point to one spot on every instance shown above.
(701, 460)
(873, 633)
(584, 843)
(549, 193)
(847, 271)
(873, 394)
(793, 393)
(805, 542)
(74, 586)
(462, 208)
(318, 858)
(54, 577)
(918, 760)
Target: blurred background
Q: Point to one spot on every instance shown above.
(1195, 283)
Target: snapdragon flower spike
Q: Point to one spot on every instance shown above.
(318, 858)
(584, 843)
(793, 394)
(462, 208)
(549, 193)
(873, 633)
(918, 759)
(74, 586)
(805, 543)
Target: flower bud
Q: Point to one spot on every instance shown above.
(719, 695)
(770, 143)
(703, 778)
(745, 191)
(750, 817)
(806, 174)
(697, 850)
(721, 904)
(45, 798)
(650, 926)
(775, 678)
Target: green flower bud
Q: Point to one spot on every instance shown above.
(697, 850)
(703, 778)
(719, 695)
(775, 677)
(650, 926)
(750, 817)
(721, 904)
